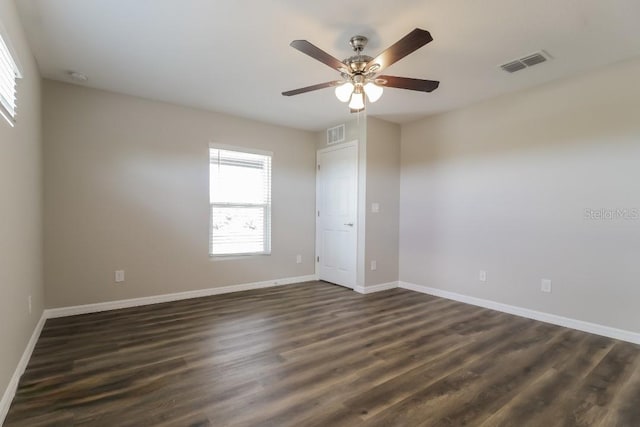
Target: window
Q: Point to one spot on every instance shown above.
(240, 202)
(8, 75)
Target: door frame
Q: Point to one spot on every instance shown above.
(359, 221)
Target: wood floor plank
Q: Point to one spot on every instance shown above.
(509, 374)
(406, 385)
(604, 383)
(539, 401)
(624, 412)
(316, 354)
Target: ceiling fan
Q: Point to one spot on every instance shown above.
(360, 72)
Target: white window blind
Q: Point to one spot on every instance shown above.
(240, 202)
(8, 75)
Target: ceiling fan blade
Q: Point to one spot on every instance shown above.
(319, 54)
(312, 88)
(407, 83)
(403, 47)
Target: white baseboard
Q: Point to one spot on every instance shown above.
(135, 302)
(593, 328)
(376, 288)
(12, 387)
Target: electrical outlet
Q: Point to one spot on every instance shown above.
(298, 259)
(374, 265)
(30, 306)
(119, 276)
(545, 286)
(482, 276)
(375, 207)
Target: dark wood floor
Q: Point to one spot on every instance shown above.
(320, 355)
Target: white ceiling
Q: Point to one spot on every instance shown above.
(233, 56)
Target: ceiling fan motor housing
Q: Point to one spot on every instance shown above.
(358, 62)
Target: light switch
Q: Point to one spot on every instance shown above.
(119, 276)
(375, 207)
(545, 286)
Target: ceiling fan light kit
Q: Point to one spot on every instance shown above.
(349, 91)
(357, 99)
(344, 91)
(359, 72)
(373, 91)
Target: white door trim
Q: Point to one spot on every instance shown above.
(359, 229)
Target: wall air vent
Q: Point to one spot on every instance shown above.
(335, 135)
(527, 61)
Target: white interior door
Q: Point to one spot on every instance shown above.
(337, 205)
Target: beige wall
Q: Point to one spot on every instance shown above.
(383, 187)
(503, 186)
(378, 181)
(126, 187)
(20, 207)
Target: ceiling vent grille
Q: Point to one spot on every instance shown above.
(512, 67)
(335, 135)
(527, 61)
(534, 59)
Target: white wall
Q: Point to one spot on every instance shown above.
(126, 187)
(503, 186)
(20, 207)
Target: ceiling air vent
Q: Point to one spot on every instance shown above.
(527, 61)
(335, 135)
(514, 66)
(534, 59)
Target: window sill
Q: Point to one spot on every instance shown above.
(8, 117)
(234, 257)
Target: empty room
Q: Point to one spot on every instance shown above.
(286, 213)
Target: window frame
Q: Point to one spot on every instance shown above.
(6, 112)
(267, 229)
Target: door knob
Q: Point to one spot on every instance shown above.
(350, 224)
